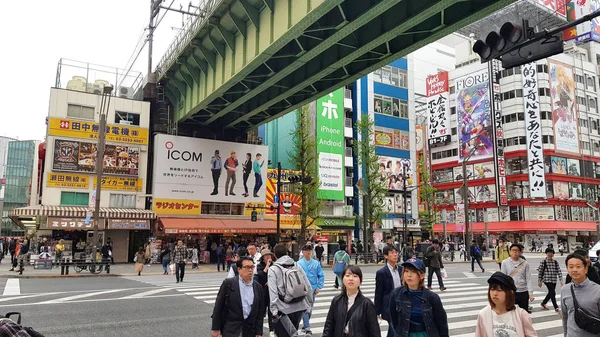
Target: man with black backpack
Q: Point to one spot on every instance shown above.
(290, 292)
(475, 251)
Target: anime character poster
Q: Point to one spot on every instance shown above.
(483, 170)
(474, 116)
(561, 190)
(559, 165)
(573, 167)
(564, 108)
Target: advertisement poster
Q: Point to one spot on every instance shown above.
(474, 116)
(291, 203)
(89, 130)
(458, 173)
(559, 165)
(485, 193)
(539, 213)
(391, 138)
(533, 134)
(483, 170)
(573, 169)
(504, 214)
(331, 145)
(564, 107)
(561, 189)
(587, 30)
(393, 168)
(208, 170)
(438, 109)
(537, 243)
(399, 203)
(458, 194)
(389, 206)
(77, 156)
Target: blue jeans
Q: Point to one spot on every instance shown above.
(478, 259)
(257, 182)
(307, 314)
(165, 264)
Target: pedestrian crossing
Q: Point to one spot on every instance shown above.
(462, 301)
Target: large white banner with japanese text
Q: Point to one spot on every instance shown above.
(209, 170)
(533, 131)
(438, 110)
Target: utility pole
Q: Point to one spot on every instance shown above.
(278, 202)
(104, 105)
(405, 204)
(154, 9)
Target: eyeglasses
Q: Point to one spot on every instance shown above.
(247, 267)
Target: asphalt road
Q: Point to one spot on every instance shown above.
(154, 306)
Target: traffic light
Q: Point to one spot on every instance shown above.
(253, 216)
(516, 45)
(294, 179)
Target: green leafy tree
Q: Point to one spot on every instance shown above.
(304, 157)
(373, 186)
(427, 196)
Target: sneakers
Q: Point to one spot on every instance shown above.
(272, 334)
(544, 306)
(483, 270)
(442, 288)
(308, 333)
(558, 312)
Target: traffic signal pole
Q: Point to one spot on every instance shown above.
(278, 201)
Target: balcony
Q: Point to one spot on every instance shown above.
(348, 161)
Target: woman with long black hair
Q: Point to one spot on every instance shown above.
(351, 314)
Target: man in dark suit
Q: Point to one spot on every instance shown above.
(387, 279)
(239, 308)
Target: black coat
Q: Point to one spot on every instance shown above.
(363, 320)
(228, 315)
(384, 285)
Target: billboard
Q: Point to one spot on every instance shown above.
(331, 145)
(176, 206)
(208, 170)
(75, 156)
(564, 107)
(391, 138)
(67, 180)
(392, 169)
(556, 6)
(474, 116)
(533, 131)
(291, 203)
(587, 30)
(120, 184)
(438, 109)
(89, 130)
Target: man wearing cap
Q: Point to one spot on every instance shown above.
(231, 165)
(387, 279)
(316, 277)
(215, 168)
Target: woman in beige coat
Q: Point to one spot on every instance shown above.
(139, 261)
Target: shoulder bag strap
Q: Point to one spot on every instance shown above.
(575, 304)
(356, 304)
(514, 272)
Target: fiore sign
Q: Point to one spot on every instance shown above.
(330, 146)
(535, 149)
(437, 107)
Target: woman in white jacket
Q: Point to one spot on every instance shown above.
(501, 317)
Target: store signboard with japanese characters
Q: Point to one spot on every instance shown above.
(61, 127)
(120, 184)
(67, 180)
(208, 170)
(164, 206)
(70, 224)
(438, 109)
(533, 131)
(75, 156)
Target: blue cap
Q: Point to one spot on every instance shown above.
(415, 263)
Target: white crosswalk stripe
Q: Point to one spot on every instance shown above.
(462, 301)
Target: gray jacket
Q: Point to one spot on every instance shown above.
(587, 294)
(276, 287)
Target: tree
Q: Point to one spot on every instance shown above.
(304, 157)
(427, 196)
(373, 186)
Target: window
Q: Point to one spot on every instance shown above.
(390, 106)
(392, 76)
(452, 90)
(74, 199)
(579, 79)
(127, 118)
(80, 111)
(122, 201)
(453, 130)
(453, 111)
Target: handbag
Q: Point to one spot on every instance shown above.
(339, 266)
(284, 326)
(584, 320)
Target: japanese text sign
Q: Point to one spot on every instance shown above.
(437, 108)
(70, 224)
(176, 206)
(498, 134)
(120, 184)
(78, 156)
(533, 131)
(67, 180)
(90, 130)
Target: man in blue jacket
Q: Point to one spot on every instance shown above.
(314, 272)
(387, 279)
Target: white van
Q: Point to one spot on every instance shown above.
(592, 253)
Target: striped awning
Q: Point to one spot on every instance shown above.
(81, 212)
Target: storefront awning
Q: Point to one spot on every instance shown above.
(520, 226)
(216, 226)
(80, 212)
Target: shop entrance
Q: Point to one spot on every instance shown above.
(137, 239)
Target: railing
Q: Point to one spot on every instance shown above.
(189, 31)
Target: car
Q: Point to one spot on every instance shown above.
(593, 255)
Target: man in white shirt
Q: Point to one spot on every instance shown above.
(254, 254)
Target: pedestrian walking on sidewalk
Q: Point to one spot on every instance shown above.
(239, 307)
(148, 255)
(433, 258)
(221, 257)
(23, 255)
(351, 314)
(387, 279)
(519, 270)
(501, 317)
(165, 259)
(579, 297)
(179, 256)
(314, 272)
(195, 259)
(139, 259)
(548, 272)
(502, 252)
(262, 277)
(341, 259)
(228, 258)
(476, 256)
(416, 311)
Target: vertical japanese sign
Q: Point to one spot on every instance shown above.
(437, 108)
(494, 68)
(330, 145)
(533, 128)
(564, 107)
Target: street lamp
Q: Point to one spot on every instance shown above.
(104, 105)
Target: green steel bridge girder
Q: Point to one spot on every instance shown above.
(229, 76)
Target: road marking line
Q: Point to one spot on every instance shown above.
(469, 274)
(77, 297)
(147, 293)
(12, 287)
(89, 300)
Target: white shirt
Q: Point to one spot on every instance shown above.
(395, 276)
(351, 299)
(504, 325)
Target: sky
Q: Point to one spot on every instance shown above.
(36, 34)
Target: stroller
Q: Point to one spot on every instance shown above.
(12, 328)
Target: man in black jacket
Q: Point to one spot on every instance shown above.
(229, 318)
(387, 279)
(434, 256)
(475, 252)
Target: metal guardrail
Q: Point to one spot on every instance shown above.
(189, 31)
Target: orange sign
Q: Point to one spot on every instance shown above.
(177, 206)
(290, 203)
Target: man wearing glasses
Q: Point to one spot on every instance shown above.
(228, 318)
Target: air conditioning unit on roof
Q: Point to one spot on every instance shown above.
(125, 92)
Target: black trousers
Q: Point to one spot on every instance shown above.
(216, 174)
(551, 294)
(438, 273)
(522, 300)
(179, 271)
(294, 317)
(245, 177)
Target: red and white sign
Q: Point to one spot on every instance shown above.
(437, 84)
(558, 6)
(65, 125)
(438, 109)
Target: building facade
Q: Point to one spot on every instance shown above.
(551, 153)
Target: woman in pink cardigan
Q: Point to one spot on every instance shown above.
(501, 317)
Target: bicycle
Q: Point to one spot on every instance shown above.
(91, 266)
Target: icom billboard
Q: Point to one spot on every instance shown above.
(207, 170)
